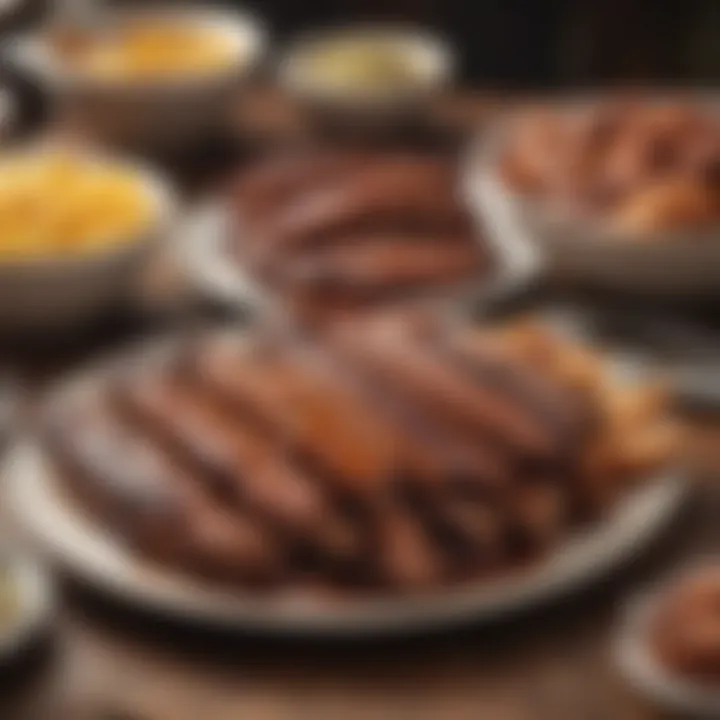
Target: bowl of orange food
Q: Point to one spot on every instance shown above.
(77, 230)
(668, 647)
(617, 193)
(147, 77)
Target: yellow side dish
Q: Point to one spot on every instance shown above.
(156, 49)
(362, 64)
(58, 203)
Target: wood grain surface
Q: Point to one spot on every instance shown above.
(108, 663)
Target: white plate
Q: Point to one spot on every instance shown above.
(209, 263)
(91, 553)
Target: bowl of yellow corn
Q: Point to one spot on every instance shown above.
(77, 229)
(148, 77)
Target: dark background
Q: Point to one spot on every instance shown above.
(521, 44)
(541, 43)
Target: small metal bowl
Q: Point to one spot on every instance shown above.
(150, 113)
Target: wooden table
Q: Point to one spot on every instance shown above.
(108, 663)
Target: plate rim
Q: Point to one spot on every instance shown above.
(643, 671)
(117, 571)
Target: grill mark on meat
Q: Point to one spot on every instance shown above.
(432, 456)
(472, 528)
(245, 468)
(155, 503)
(559, 410)
(317, 419)
(556, 403)
(406, 556)
(384, 265)
(412, 192)
(259, 190)
(428, 385)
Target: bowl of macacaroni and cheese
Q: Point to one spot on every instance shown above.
(77, 230)
(147, 77)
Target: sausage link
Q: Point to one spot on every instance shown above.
(155, 503)
(432, 387)
(244, 467)
(414, 193)
(380, 265)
